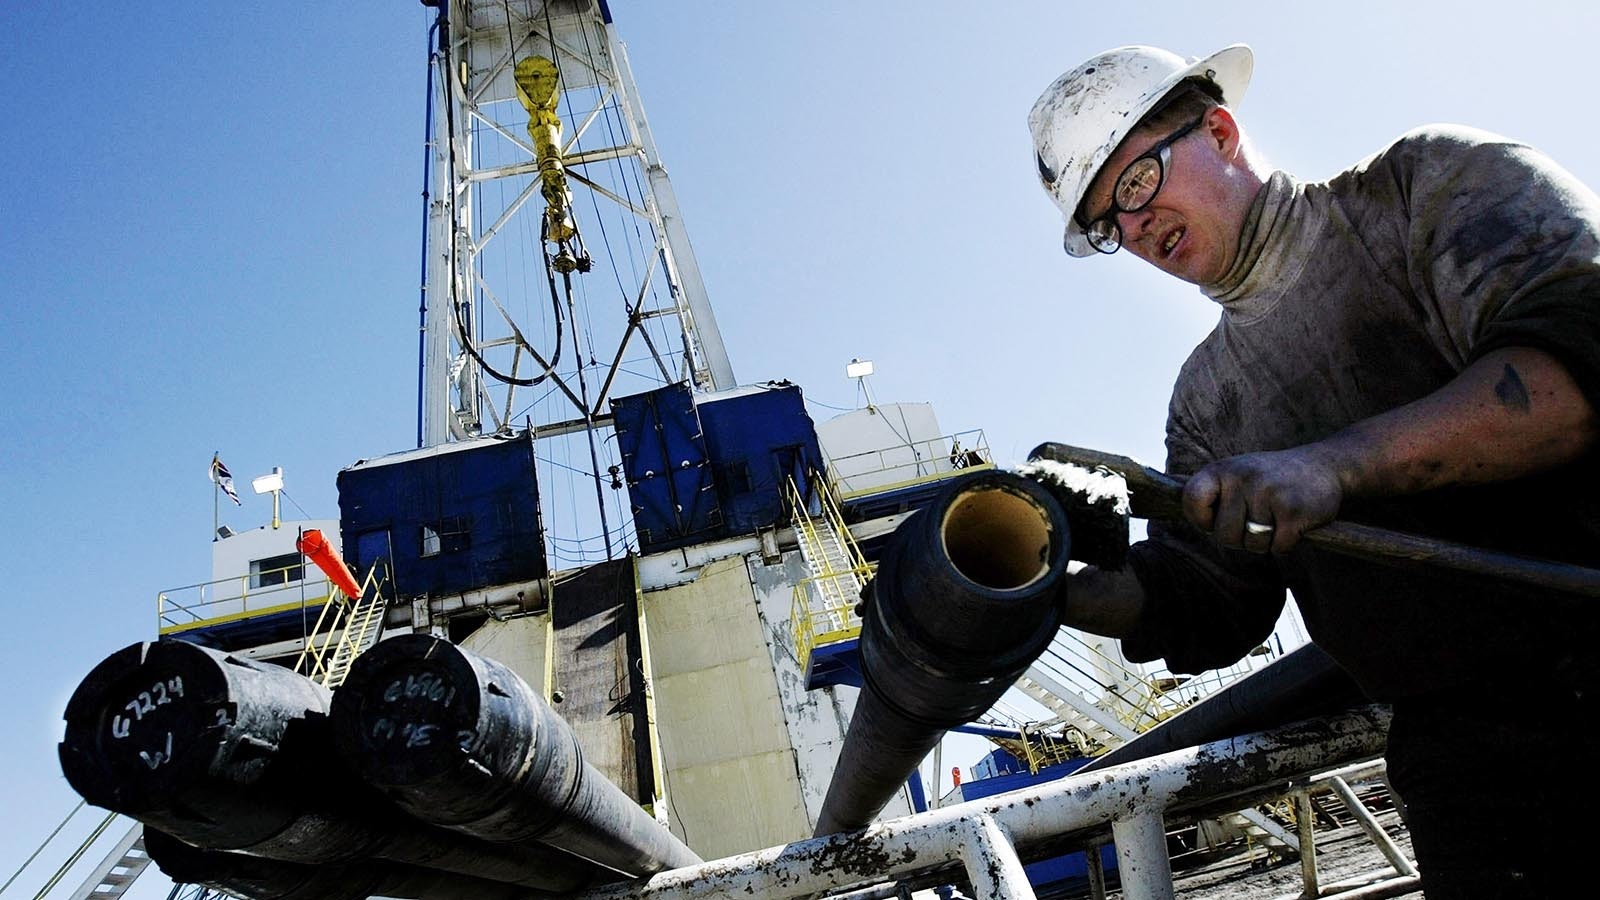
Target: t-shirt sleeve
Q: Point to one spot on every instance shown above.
(1561, 318)
(1507, 244)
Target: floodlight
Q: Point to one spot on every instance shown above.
(266, 484)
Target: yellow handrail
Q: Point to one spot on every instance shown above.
(256, 593)
(335, 606)
(835, 517)
(350, 622)
(834, 588)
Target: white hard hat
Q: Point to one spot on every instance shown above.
(1079, 121)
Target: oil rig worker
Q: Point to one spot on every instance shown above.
(1413, 343)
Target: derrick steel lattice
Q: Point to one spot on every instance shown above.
(485, 265)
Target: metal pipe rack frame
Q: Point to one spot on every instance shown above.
(1135, 801)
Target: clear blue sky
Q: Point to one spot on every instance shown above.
(210, 243)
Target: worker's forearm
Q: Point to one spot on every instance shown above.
(1514, 412)
(1103, 602)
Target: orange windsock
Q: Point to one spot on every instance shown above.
(315, 546)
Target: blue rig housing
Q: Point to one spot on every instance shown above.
(706, 468)
(448, 519)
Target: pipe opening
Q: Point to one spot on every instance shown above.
(997, 538)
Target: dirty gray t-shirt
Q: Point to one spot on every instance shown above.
(1350, 298)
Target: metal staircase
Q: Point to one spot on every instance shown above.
(126, 862)
(118, 870)
(110, 878)
(1070, 710)
(836, 582)
(825, 601)
(1130, 703)
(1069, 672)
(346, 628)
(1103, 698)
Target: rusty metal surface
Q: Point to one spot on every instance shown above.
(1229, 773)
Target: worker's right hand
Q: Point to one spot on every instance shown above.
(1264, 501)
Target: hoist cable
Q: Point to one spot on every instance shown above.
(555, 303)
(628, 185)
(462, 329)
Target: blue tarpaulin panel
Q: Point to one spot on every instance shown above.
(709, 466)
(665, 464)
(758, 438)
(453, 518)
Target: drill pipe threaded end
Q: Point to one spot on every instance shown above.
(963, 602)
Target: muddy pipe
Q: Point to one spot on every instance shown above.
(259, 878)
(229, 754)
(1304, 683)
(964, 600)
(461, 741)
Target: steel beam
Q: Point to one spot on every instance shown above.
(1041, 820)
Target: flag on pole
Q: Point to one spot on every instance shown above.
(223, 479)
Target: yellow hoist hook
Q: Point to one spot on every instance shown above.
(538, 91)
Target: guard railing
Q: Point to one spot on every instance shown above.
(239, 597)
(908, 464)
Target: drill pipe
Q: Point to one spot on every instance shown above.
(225, 753)
(965, 599)
(463, 742)
(1302, 684)
(259, 878)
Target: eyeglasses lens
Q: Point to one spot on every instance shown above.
(1137, 186)
(1104, 235)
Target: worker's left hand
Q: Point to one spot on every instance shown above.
(1263, 501)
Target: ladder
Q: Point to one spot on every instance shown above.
(1050, 683)
(835, 583)
(347, 628)
(1071, 709)
(110, 878)
(366, 622)
(116, 873)
(838, 570)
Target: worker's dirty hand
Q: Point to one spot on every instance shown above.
(1263, 501)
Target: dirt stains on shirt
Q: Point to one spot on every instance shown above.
(1349, 298)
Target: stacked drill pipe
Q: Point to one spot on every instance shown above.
(965, 599)
(228, 754)
(463, 742)
(259, 878)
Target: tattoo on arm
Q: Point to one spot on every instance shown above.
(1511, 391)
